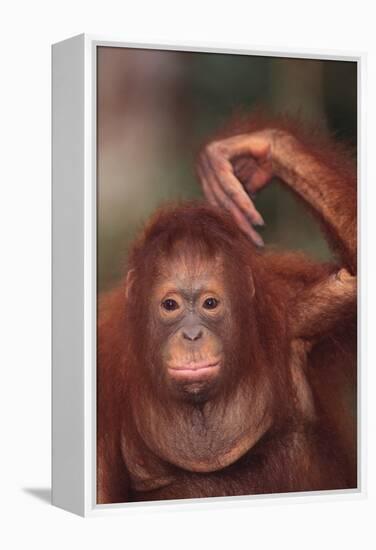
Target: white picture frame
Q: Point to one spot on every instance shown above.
(74, 277)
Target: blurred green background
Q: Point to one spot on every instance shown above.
(156, 107)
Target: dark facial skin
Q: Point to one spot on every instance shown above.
(192, 312)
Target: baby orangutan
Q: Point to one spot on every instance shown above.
(224, 369)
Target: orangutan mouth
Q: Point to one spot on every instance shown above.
(194, 371)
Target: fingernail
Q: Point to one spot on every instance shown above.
(255, 218)
(258, 240)
(259, 220)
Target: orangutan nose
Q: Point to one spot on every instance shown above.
(192, 333)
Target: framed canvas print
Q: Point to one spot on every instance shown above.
(205, 246)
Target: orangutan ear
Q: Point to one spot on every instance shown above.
(298, 364)
(129, 280)
(252, 285)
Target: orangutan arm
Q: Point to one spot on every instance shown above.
(320, 174)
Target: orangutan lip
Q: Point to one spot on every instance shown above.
(194, 372)
(195, 366)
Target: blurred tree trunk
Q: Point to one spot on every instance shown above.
(297, 88)
(136, 131)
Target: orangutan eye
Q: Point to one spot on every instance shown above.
(210, 303)
(170, 304)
